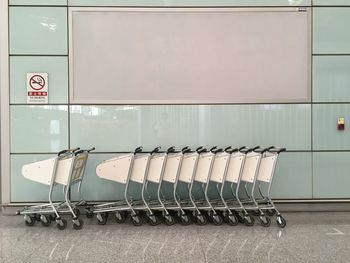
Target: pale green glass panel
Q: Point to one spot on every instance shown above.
(331, 2)
(24, 190)
(38, 2)
(122, 128)
(56, 67)
(39, 129)
(189, 3)
(331, 34)
(293, 176)
(331, 78)
(38, 30)
(331, 175)
(326, 135)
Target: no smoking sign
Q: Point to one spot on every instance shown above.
(37, 88)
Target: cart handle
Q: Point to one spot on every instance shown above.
(186, 150)
(199, 148)
(202, 150)
(215, 151)
(245, 150)
(91, 149)
(230, 151)
(277, 150)
(155, 150)
(68, 150)
(171, 149)
(262, 150)
(138, 150)
(213, 148)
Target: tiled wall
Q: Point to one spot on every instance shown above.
(316, 166)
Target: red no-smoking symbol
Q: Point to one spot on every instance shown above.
(37, 82)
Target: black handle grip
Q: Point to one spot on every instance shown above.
(242, 148)
(215, 151)
(91, 149)
(277, 150)
(246, 150)
(199, 148)
(138, 150)
(155, 150)
(262, 150)
(202, 150)
(78, 152)
(171, 149)
(68, 150)
(186, 150)
(213, 148)
(230, 151)
(228, 148)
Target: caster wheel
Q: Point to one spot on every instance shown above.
(217, 220)
(45, 220)
(185, 220)
(270, 212)
(169, 220)
(136, 220)
(89, 214)
(76, 212)
(255, 212)
(37, 217)
(265, 221)
(153, 220)
(102, 218)
(120, 217)
(61, 224)
(248, 220)
(232, 220)
(239, 217)
(29, 220)
(78, 224)
(201, 220)
(281, 222)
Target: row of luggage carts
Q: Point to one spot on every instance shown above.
(230, 185)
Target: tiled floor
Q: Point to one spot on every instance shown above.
(308, 237)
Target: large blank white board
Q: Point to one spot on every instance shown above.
(189, 55)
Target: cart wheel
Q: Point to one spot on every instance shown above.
(185, 220)
(281, 222)
(136, 220)
(169, 220)
(89, 214)
(255, 212)
(265, 221)
(217, 220)
(153, 220)
(231, 219)
(248, 220)
(201, 219)
(78, 224)
(270, 212)
(29, 220)
(45, 220)
(61, 224)
(120, 217)
(37, 217)
(52, 217)
(239, 217)
(102, 218)
(76, 212)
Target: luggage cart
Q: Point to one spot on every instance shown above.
(186, 175)
(171, 176)
(126, 169)
(249, 178)
(66, 169)
(265, 177)
(155, 176)
(202, 176)
(221, 166)
(117, 169)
